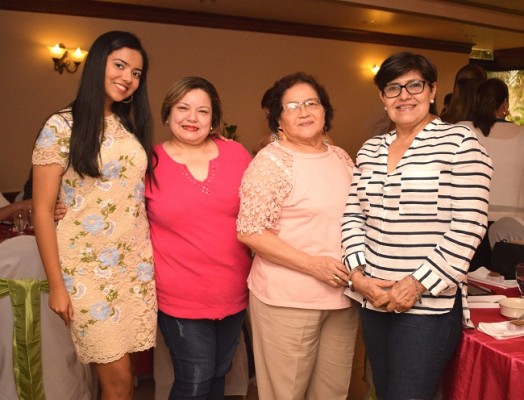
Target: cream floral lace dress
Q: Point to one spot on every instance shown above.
(103, 242)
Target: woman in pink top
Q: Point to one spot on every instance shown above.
(200, 266)
(292, 201)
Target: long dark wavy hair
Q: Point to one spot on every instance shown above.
(88, 107)
(490, 96)
(462, 103)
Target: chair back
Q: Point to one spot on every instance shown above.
(48, 343)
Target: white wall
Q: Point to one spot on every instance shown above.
(242, 65)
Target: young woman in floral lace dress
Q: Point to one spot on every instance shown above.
(94, 156)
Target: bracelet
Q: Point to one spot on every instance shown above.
(419, 294)
(359, 268)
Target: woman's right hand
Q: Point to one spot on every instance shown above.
(60, 303)
(328, 270)
(372, 289)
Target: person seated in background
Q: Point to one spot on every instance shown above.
(7, 209)
(447, 100)
(28, 186)
(501, 138)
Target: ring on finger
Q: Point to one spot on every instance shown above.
(397, 312)
(337, 279)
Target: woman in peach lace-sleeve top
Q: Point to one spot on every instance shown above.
(292, 200)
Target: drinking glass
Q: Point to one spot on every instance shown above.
(20, 221)
(519, 275)
(30, 218)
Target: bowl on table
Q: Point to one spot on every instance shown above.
(512, 307)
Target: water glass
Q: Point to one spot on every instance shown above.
(519, 275)
(30, 218)
(20, 221)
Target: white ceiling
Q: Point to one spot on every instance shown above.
(486, 24)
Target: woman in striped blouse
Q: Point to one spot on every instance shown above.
(415, 214)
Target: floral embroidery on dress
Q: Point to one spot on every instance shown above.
(104, 246)
(266, 183)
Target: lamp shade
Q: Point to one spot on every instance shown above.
(57, 51)
(77, 55)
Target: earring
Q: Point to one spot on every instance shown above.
(128, 100)
(432, 101)
(385, 108)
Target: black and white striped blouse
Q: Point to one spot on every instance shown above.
(425, 218)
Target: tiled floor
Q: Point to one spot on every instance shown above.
(146, 391)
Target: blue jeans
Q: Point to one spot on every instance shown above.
(201, 351)
(408, 352)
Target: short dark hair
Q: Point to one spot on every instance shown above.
(401, 63)
(181, 87)
(282, 85)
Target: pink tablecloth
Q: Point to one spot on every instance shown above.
(483, 367)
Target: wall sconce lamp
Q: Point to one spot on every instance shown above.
(374, 69)
(66, 59)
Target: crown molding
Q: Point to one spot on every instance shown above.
(131, 12)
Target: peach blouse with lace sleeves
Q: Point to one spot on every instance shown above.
(265, 185)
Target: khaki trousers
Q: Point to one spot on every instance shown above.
(302, 354)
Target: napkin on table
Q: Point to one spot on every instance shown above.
(480, 275)
(501, 330)
(489, 301)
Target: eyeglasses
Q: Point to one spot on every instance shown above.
(412, 87)
(294, 106)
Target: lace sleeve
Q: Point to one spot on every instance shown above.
(341, 153)
(265, 185)
(52, 144)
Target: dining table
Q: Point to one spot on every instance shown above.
(8, 231)
(485, 368)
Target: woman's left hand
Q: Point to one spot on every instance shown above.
(402, 296)
(60, 210)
